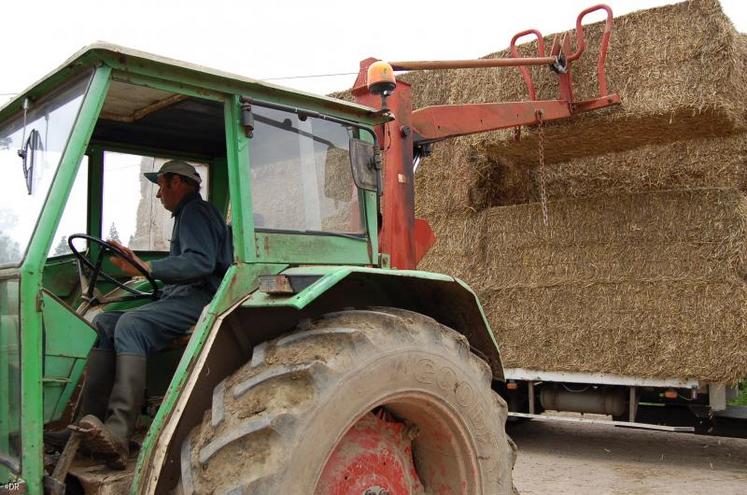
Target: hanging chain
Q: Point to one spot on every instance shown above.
(541, 170)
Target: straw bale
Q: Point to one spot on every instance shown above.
(700, 233)
(641, 268)
(679, 69)
(694, 163)
(445, 180)
(548, 289)
(691, 163)
(655, 329)
(684, 235)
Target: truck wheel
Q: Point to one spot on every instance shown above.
(358, 402)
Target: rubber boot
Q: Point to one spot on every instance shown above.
(95, 395)
(112, 438)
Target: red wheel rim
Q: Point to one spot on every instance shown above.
(374, 457)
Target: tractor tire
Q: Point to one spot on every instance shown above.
(283, 423)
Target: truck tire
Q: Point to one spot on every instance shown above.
(369, 401)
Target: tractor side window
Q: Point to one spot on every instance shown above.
(131, 212)
(74, 218)
(301, 174)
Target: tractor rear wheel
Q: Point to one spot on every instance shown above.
(358, 402)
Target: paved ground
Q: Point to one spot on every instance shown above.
(563, 458)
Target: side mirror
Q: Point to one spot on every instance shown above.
(365, 161)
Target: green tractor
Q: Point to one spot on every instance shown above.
(324, 364)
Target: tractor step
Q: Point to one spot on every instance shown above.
(99, 479)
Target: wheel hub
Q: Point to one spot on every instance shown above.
(374, 457)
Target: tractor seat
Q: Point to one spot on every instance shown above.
(181, 341)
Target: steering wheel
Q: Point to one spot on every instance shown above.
(90, 271)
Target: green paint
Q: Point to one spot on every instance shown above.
(219, 185)
(10, 374)
(239, 183)
(32, 351)
(239, 281)
(61, 277)
(67, 341)
(155, 81)
(306, 248)
(149, 151)
(329, 277)
(202, 82)
(185, 78)
(489, 331)
(95, 190)
(370, 204)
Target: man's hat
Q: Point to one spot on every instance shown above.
(178, 167)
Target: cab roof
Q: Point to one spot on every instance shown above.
(130, 61)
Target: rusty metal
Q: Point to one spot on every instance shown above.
(596, 103)
(276, 285)
(424, 238)
(604, 44)
(565, 81)
(396, 235)
(580, 39)
(400, 236)
(446, 121)
(482, 63)
(374, 457)
(523, 68)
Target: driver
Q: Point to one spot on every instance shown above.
(199, 255)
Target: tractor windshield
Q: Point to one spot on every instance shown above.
(31, 146)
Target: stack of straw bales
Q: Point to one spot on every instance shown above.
(633, 284)
(640, 270)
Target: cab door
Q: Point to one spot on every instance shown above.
(306, 207)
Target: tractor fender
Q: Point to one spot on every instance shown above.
(274, 304)
(318, 290)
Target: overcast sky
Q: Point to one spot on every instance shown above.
(282, 38)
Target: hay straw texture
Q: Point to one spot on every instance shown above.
(690, 163)
(679, 69)
(641, 269)
(646, 284)
(628, 331)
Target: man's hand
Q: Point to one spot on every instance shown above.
(126, 267)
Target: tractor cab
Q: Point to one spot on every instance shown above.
(289, 172)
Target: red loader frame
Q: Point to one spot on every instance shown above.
(402, 236)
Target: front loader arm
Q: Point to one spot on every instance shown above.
(441, 122)
(403, 238)
(437, 123)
